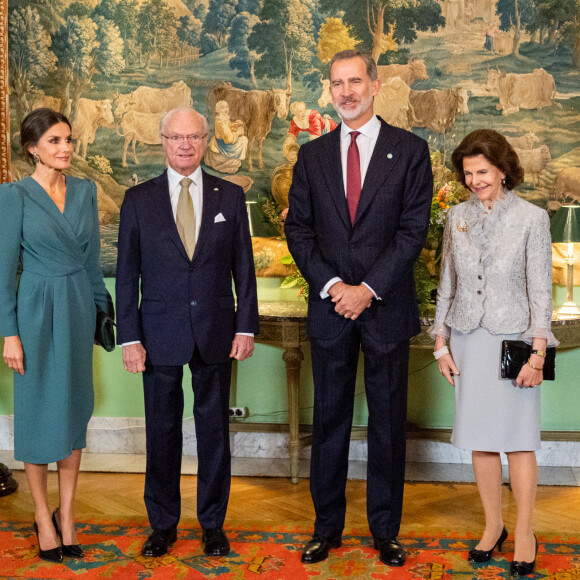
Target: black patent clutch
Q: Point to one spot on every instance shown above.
(105, 328)
(515, 354)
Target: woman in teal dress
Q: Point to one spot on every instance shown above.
(49, 225)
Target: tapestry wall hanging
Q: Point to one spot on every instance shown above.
(259, 70)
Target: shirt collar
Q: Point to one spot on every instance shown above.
(370, 129)
(174, 178)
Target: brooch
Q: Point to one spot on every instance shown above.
(462, 226)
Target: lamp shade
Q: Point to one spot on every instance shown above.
(565, 225)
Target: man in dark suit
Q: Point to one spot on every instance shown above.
(359, 212)
(183, 236)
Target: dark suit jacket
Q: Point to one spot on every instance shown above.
(184, 303)
(381, 247)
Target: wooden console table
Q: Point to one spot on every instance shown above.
(283, 324)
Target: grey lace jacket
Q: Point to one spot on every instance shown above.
(496, 270)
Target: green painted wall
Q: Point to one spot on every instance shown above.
(260, 384)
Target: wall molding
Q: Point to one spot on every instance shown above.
(126, 435)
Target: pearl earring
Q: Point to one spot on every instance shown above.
(503, 181)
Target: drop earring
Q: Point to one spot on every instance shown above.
(36, 158)
(503, 181)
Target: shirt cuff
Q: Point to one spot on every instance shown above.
(324, 292)
(245, 334)
(374, 293)
(129, 343)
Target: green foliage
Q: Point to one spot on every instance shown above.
(189, 31)
(79, 9)
(284, 38)
(30, 52)
(108, 57)
(218, 20)
(156, 31)
(74, 45)
(30, 58)
(274, 215)
(199, 8)
(407, 17)
(242, 58)
(295, 279)
(106, 9)
(425, 283)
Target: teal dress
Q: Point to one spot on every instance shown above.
(51, 307)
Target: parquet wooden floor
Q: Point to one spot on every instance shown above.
(427, 505)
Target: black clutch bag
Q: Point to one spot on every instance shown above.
(515, 354)
(105, 328)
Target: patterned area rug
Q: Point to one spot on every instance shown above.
(112, 550)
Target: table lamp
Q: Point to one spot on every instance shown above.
(565, 228)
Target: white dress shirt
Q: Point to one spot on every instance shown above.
(366, 141)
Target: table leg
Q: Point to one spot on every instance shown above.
(293, 358)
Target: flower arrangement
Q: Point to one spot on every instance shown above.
(445, 195)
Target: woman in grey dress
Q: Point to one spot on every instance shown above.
(49, 224)
(495, 284)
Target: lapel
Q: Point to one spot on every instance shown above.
(38, 195)
(379, 167)
(162, 201)
(332, 170)
(211, 193)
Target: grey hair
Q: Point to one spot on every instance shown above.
(169, 114)
(369, 61)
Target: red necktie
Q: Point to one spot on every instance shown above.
(353, 184)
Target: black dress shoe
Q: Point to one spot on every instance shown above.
(53, 555)
(158, 542)
(391, 552)
(216, 542)
(480, 556)
(68, 550)
(317, 549)
(523, 568)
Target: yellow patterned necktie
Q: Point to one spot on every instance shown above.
(185, 217)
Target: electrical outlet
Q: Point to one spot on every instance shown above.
(238, 413)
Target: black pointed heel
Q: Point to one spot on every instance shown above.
(524, 568)
(53, 555)
(480, 556)
(70, 550)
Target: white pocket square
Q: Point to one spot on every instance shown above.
(219, 218)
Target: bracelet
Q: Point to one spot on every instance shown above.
(441, 352)
(535, 368)
(539, 353)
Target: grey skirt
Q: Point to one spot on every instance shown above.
(491, 413)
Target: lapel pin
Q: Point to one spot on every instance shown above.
(215, 189)
(389, 155)
(462, 226)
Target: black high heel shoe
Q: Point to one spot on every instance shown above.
(70, 550)
(524, 568)
(53, 555)
(480, 556)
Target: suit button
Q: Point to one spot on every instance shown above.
(193, 303)
(480, 277)
(479, 291)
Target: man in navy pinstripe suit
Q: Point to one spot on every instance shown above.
(357, 255)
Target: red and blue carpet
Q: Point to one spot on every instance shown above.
(113, 550)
